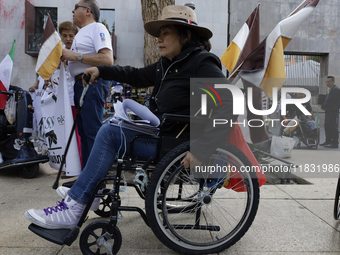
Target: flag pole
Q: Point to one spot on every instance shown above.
(235, 70)
(187, 125)
(69, 77)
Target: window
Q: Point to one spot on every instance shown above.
(35, 21)
(107, 18)
(287, 58)
(41, 15)
(298, 58)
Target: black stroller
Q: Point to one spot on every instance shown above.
(15, 145)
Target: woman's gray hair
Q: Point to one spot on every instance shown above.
(94, 8)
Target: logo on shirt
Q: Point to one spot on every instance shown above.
(102, 37)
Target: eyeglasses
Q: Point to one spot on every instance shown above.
(76, 6)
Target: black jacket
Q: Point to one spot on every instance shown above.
(332, 101)
(171, 94)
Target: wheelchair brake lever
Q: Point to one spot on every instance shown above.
(147, 163)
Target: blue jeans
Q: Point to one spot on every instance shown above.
(91, 117)
(105, 148)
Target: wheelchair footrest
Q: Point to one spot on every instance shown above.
(58, 236)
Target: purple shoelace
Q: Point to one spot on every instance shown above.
(60, 207)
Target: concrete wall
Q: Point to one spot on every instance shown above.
(213, 15)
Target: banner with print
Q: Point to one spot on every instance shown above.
(63, 126)
(56, 123)
(46, 125)
(38, 130)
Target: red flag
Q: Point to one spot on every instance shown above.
(236, 139)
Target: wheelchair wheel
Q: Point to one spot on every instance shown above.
(96, 240)
(105, 205)
(336, 211)
(30, 172)
(208, 217)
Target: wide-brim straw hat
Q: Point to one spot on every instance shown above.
(176, 15)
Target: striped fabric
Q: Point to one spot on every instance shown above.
(50, 51)
(244, 42)
(264, 67)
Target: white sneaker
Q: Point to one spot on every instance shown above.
(63, 216)
(62, 192)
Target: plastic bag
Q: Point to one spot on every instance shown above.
(10, 110)
(282, 146)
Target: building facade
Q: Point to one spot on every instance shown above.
(317, 36)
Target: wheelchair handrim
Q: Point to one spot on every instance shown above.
(199, 246)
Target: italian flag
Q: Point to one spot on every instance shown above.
(6, 67)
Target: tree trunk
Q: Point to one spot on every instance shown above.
(151, 10)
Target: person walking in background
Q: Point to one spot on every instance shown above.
(91, 47)
(331, 107)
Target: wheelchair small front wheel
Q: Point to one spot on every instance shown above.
(198, 215)
(96, 240)
(30, 172)
(104, 209)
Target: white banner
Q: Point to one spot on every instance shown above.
(46, 127)
(57, 121)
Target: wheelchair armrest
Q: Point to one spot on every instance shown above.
(183, 118)
(176, 118)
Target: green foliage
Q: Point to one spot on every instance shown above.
(103, 21)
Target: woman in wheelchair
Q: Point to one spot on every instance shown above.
(184, 48)
(307, 122)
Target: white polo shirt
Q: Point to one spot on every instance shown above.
(89, 40)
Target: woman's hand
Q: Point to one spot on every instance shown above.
(93, 72)
(191, 161)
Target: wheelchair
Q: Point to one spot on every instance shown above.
(189, 213)
(16, 145)
(304, 134)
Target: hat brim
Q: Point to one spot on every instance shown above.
(154, 27)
